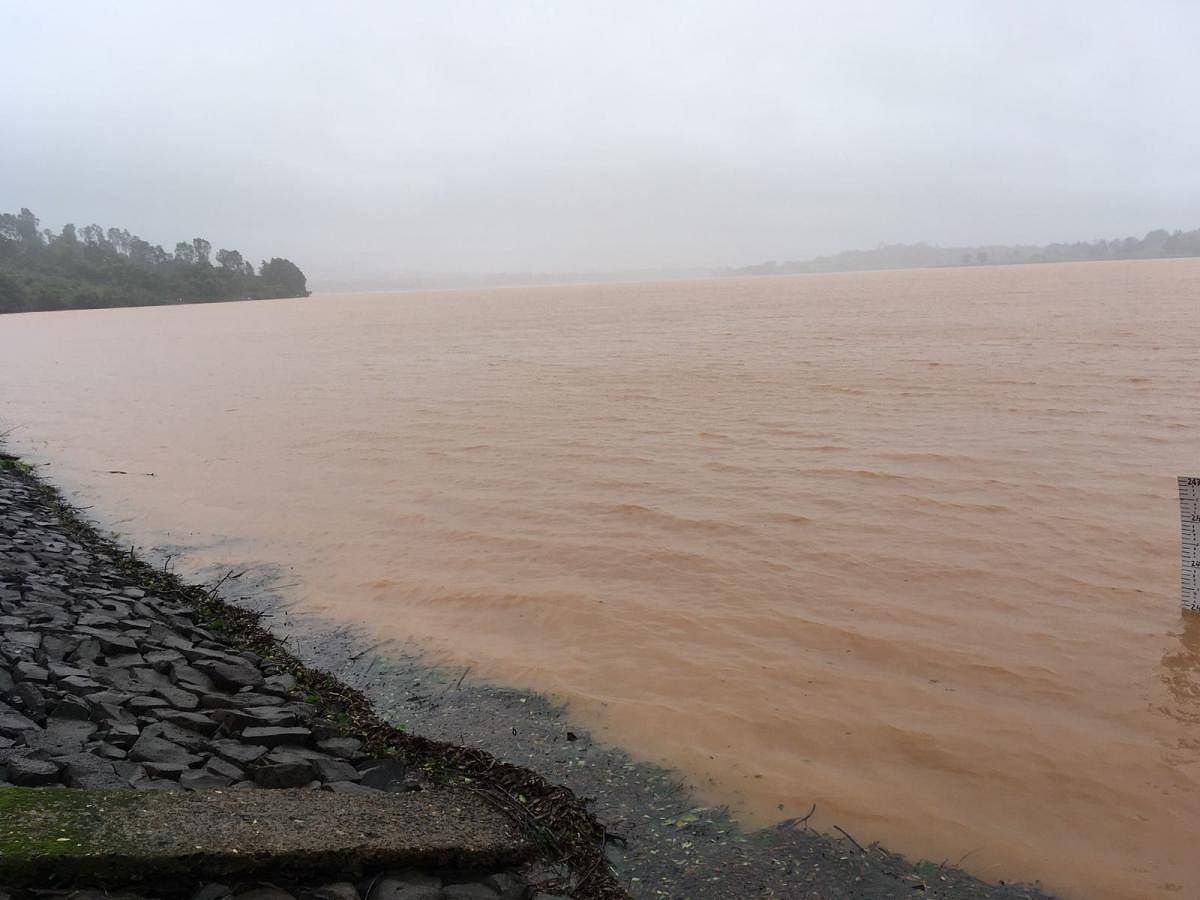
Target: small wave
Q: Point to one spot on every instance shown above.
(788, 518)
(668, 520)
(864, 474)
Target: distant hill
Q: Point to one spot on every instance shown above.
(1157, 244)
(91, 267)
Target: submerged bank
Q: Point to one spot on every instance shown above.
(659, 843)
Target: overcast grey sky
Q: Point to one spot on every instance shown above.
(362, 139)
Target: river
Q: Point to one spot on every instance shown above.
(902, 544)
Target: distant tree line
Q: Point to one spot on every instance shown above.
(92, 267)
(1158, 244)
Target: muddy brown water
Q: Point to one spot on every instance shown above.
(902, 544)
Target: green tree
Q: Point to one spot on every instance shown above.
(283, 278)
(27, 227)
(230, 261)
(12, 295)
(97, 267)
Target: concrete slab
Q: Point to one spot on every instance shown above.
(59, 836)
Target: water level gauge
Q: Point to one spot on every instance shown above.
(1189, 519)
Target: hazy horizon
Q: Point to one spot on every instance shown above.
(376, 141)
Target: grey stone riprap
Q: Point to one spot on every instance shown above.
(105, 686)
(91, 665)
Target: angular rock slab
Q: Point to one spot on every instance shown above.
(53, 836)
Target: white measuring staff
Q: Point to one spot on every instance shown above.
(1189, 529)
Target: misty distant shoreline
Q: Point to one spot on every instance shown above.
(1156, 244)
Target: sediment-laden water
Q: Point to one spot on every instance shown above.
(901, 544)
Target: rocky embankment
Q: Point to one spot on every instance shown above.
(115, 676)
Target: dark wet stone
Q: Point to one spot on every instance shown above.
(58, 646)
(191, 678)
(344, 747)
(283, 775)
(288, 755)
(238, 753)
(232, 676)
(113, 643)
(189, 740)
(334, 770)
(162, 658)
(98, 620)
(240, 700)
(194, 653)
(407, 885)
(275, 716)
(121, 680)
(80, 685)
(192, 721)
(178, 697)
(71, 707)
(124, 660)
(509, 887)
(470, 891)
(110, 751)
(213, 891)
(87, 770)
(203, 779)
(166, 769)
(350, 787)
(28, 671)
(225, 769)
(13, 724)
(264, 892)
(274, 737)
(27, 696)
(323, 729)
(155, 749)
(106, 697)
(148, 676)
(144, 703)
(60, 736)
(130, 771)
(233, 719)
(168, 638)
(341, 890)
(123, 734)
(87, 651)
(26, 772)
(283, 682)
(60, 670)
(384, 775)
(29, 639)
